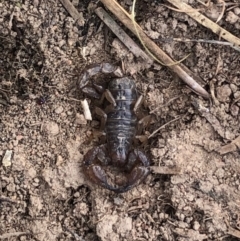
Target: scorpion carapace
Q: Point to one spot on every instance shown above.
(119, 121)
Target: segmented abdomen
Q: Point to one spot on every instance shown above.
(121, 120)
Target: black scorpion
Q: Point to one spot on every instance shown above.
(120, 122)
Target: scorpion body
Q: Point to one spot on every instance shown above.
(119, 121)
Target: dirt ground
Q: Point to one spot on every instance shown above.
(44, 195)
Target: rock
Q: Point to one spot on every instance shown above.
(231, 17)
(11, 187)
(6, 161)
(51, 128)
(59, 110)
(234, 110)
(80, 119)
(196, 225)
(223, 93)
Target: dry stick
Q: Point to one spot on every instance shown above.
(165, 170)
(200, 18)
(8, 235)
(206, 41)
(125, 18)
(129, 43)
(232, 231)
(161, 106)
(161, 127)
(6, 199)
(223, 10)
(72, 10)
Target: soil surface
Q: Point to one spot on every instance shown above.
(44, 194)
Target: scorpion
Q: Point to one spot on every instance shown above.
(120, 122)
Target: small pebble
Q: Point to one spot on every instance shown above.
(11, 187)
(234, 110)
(51, 128)
(182, 216)
(231, 17)
(118, 201)
(36, 180)
(237, 11)
(236, 94)
(59, 160)
(6, 161)
(59, 110)
(196, 225)
(80, 119)
(233, 87)
(223, 93)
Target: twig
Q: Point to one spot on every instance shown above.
(212, 91)
(164, 105)
(161, 127)
(118, 31)
(205, 112)
(76, 236)
(232, 231)
(222, 12)
(177, 10)
(142, 42)
(233, 146)
(125, 18)
(165, 170)
(205, 4)
(5, 96)
(6, 199)
(73, 11)
(200, 18)
(205, 41)
(9, 235)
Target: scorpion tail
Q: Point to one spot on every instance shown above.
(97, 175)
(137, 175)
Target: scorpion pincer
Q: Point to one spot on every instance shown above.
(120, 123)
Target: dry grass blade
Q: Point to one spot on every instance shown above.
(142, 42)
(232, 231)
(126, 19)
(205, 4)
(161, 127)
(207, 41)
(166, 170)
(73, 11)
(178, 10)
(200, 18)
(222, 12)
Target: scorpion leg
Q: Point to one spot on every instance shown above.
(108, 95)
(103, 116)
(145, 121)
